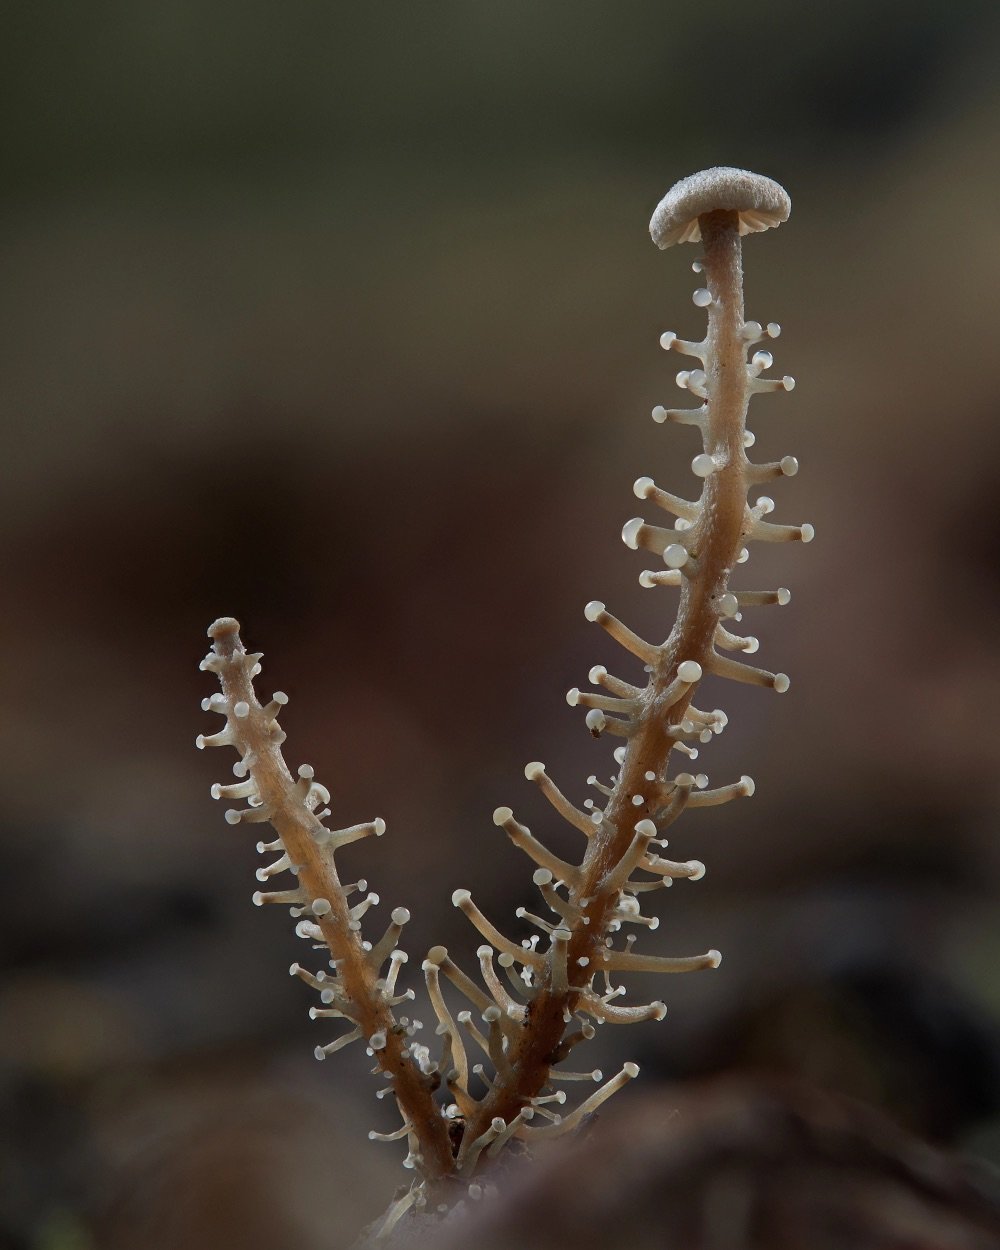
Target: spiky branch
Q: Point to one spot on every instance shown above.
(533, 1005)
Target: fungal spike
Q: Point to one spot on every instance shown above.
(514, 1010)
(757, 474)
(763, 386)
(311, 979)
(286, 898)
(438, 956)
(721, 666)
(559, 980)
(224, 738)
(642, 650)
(522, 837)
(271, 711)
(512, 1128)
(735, 642)
(386, 944)
(646, 488)
(324, 1052)
(470, 1152)
(240, 790)
(744, 788)
(693, 869)
(602, 702)
(460, 1082)
(649, 578)
(598, 722)
(604, 1012)
(637, 534)
(566, 910)
(682, 416)
(336, 838)
(689, 673)
(767, 532)
(271, 870)
(625, 961)
(600, 676)
(496, 1044)
(522, 913)
(644, 833)
(249, 815)
(466, 1021)
(359, 909)
(671, 343)
(576, 1117)
(396, 961)
(761, 598)
(522, 980)
(398, 1135)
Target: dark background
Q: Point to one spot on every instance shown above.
(343, 320)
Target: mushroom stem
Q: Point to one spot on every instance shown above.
(717, 539)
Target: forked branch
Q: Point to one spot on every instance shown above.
(535, 1000)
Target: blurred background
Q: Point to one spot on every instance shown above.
(343, 320)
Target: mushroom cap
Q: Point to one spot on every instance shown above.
(761, 203)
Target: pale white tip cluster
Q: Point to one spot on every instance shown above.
(689, 671)
(761, 203)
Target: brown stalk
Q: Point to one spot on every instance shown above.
(715, 549)
(452, 1138)
(303, 835)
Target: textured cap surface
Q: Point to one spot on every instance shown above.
(761, 203)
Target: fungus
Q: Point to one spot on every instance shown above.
(761, 203)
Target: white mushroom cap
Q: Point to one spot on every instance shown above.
(761, 203)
